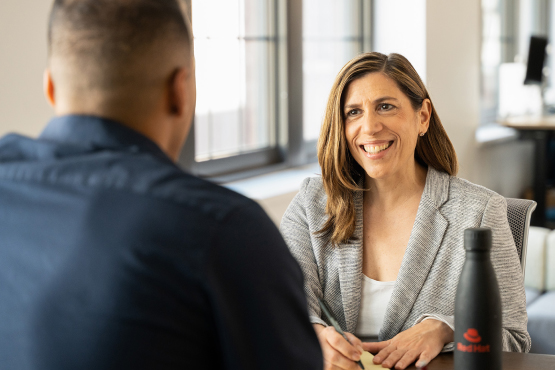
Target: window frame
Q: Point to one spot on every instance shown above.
(290, 148)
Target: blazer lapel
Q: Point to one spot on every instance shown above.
(424, 242)
(349, 256)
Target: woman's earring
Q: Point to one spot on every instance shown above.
(422, 133)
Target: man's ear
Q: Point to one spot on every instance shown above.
(178, 91)
(48, 88)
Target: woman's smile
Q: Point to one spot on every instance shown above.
(376, 150)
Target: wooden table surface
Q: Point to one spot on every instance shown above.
(530, 122)
(511, 361)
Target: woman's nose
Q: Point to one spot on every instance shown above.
(371, 125)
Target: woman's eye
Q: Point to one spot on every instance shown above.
(352, 112)
(385, 106)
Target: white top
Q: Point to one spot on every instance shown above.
(375, 297)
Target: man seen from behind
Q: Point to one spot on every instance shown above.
(111, 257)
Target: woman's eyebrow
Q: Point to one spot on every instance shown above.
(351, 106)
(376, 101)
(384, 98)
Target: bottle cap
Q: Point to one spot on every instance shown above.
(478, 239)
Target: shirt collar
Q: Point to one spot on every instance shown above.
(99, 133)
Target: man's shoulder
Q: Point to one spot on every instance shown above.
(202, 196)
(163, 181)
(140, 174)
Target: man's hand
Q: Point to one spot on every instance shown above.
(422, 342)
(338, 353)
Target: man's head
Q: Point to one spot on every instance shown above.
(129, 60)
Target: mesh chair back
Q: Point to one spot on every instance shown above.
(519, 212)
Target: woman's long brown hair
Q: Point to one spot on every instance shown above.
(341, 174)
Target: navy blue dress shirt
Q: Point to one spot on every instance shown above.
(111, 257)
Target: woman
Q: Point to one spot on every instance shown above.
(379, 235)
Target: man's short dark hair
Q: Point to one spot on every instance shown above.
(102, 39)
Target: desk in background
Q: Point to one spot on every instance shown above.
(539, 129)
(511, 361)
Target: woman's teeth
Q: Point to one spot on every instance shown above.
(373, 149)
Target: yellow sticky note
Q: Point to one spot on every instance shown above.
(366, 359)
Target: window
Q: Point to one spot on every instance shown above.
(332, 35)
(495, 38)
(506, 29)
(234, 47)
(264, 69)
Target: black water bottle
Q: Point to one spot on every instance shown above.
(478, 342)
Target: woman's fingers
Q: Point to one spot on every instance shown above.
(330, 366)
(339, 343)
(393, 358)
(422, 342)
(426, 357)
(403, 357)
(381, 356)
(406, 360)
(375, 347)
(412, 356)
(334, 360)
(338, 353)
(355, 342)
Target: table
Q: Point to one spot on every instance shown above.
(511, 361)
(539, 129)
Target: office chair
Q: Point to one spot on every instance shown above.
(519, 212)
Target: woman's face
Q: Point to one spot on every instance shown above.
(381, 126)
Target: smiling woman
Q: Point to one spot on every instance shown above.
(379, 235)
(378, 90)
(381, 127)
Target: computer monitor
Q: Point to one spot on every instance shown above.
(536, 59)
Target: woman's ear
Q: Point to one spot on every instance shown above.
(48, 88)
(425, 114)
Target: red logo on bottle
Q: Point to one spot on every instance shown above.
(472, 336)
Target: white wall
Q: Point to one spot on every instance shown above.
(453, 42)
(400, 27)
(453, 32)
(23, 24)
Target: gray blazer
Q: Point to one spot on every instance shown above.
(427, 281)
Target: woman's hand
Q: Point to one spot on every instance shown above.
(422, 342)
(338, 353)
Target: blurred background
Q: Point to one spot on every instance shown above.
(265, 68)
